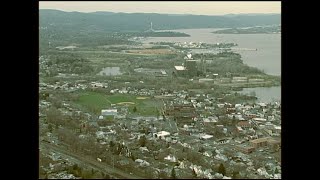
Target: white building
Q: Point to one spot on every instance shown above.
(162, 134)
(109, 112)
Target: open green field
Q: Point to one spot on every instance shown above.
(92, 99)
(94, 102)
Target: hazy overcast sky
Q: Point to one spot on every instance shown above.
(167, 7)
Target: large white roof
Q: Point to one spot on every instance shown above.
(163, 133)
(179, 68)
(109, 110)
(206, 136)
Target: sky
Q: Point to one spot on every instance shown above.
(167, 7)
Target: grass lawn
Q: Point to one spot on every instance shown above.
(94, 102)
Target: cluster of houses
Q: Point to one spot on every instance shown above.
(252, 128)
(190, 136)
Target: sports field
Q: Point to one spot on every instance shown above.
(98, 101)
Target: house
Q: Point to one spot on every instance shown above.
(277, 129)
(239, 129)
(162, 134)
(205, 137)
(171, 158)
(142, 163)
(208, 121)
(244, 124)
(180, 70)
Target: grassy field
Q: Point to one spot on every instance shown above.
(152, 51)
(94, 102)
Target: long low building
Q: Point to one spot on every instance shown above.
(267, 141)
(256, 143)
(109, 112)
(162, 134)
(205, 80)
(245, 149)
(180, 70)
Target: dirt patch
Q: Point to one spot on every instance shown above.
(142, 97)
(124, 103)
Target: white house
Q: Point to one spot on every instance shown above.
(206, 136)
(171, 158)
(162, 134)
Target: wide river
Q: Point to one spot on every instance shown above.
(267, 57)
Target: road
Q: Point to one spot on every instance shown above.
(89, 162)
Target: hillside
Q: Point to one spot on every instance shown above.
(108, 21)
(106, 28)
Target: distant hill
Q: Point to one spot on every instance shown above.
(251, 30)
(59, 28)
(109, 21)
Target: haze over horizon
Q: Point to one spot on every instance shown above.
(167, 7)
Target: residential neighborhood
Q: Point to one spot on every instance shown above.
(149, 95)
(192, 134)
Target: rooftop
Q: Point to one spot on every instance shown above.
(109, 110)
(180, 68)
(260, 140)
(192, 60)
(206, 136)
(163, 133)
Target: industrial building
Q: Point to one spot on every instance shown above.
(190, 67)
(183, 114)
(267, 141)
(261, 142)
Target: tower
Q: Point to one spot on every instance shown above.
(151, 28)
(204, 66)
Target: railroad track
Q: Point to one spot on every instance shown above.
(92, 163)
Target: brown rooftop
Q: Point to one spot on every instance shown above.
(260, 140)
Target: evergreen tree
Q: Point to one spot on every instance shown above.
(143, 141)
(222, 169)
(194, 173)
(50, 128)
(173, 174)
(111, 143)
